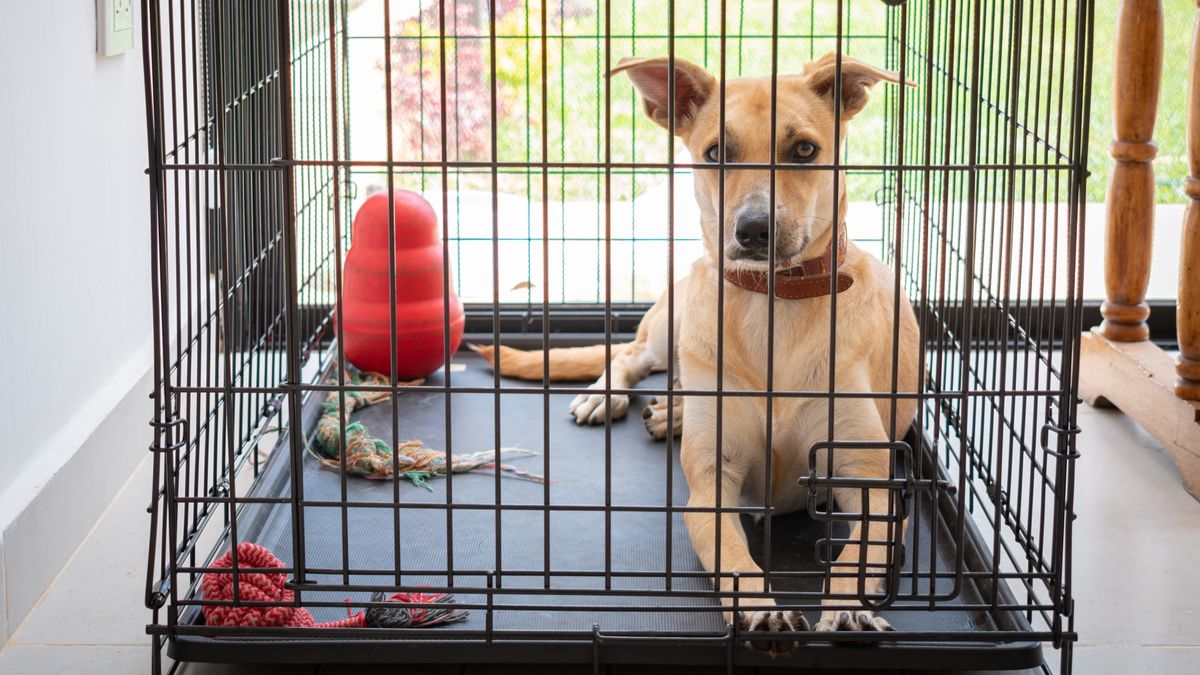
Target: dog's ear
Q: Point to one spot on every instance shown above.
(651, 76)
(857, 80)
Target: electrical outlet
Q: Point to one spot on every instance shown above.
(114, 26)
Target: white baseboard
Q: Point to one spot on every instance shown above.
(40, 534)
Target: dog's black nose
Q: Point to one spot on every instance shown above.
(753, 230)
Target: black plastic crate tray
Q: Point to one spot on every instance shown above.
(577, 467)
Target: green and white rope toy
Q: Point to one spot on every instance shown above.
(372, 457)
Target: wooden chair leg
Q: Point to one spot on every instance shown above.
(1187, 386)
(1138, 69)
(1118, 365)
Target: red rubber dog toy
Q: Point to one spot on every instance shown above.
(420, 303)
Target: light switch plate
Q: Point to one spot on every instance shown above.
(114, 26)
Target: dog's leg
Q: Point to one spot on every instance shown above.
(647, 353)
(858, 420)
(698, 456)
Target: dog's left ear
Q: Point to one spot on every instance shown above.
(857, 80)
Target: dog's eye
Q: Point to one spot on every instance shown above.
(712, 154)
(804, 151)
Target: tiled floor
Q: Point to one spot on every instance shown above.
(1136, 583)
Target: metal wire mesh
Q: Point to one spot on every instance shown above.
(564, 209)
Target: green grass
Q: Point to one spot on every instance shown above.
(1170, 134)
(575, 90)
(575, 58)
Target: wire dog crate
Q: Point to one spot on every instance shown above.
(564, 210)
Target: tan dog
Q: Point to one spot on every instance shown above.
(804, 240)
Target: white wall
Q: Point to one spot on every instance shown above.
(74, 251)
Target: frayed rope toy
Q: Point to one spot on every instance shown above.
(269, 587)
(372, 457)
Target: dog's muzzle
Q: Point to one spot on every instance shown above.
(752, 229)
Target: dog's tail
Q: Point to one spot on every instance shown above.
(567, 364)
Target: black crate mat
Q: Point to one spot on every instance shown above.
(627, 551)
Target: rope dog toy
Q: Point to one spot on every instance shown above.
(372, 457)
(269, 587)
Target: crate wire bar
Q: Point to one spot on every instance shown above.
(564, 211)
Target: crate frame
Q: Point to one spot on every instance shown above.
(247, 154)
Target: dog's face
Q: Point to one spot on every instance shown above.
(804, 134)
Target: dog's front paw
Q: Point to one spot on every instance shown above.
(857, 620)
(659, 420)
(772, 621)
(591, 408)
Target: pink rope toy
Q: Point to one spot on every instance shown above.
(269, 587)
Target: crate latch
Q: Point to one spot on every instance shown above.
(1065, 435)
(900, 484)
(176, 427)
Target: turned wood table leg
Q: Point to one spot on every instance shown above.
(1118, 364)
(1188, 311)
(1138, 69)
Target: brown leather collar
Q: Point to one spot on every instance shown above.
(809, 279)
